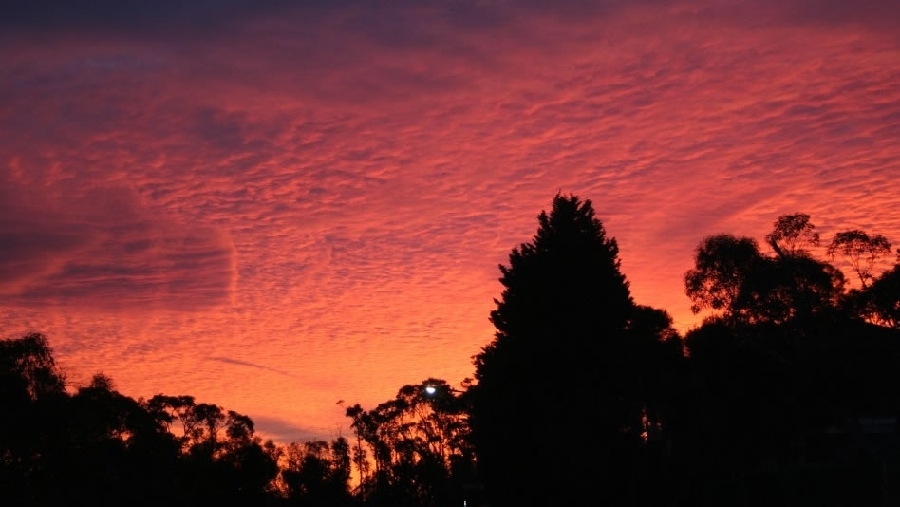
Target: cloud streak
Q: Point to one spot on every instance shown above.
(237, 362)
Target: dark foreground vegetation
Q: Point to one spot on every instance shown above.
(788, 394)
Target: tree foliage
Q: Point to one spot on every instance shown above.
(861, 250)
(792, 234)
(98, 446)
(739, 284)
(419, 444)
(879, 303)
(562, 363)
(785, 368)
(722, 278)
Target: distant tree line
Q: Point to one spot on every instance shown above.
(93, 445)
(787, 394)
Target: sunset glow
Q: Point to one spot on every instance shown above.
(273, 206)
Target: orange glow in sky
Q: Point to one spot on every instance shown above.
(273, 206)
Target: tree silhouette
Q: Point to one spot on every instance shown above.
(779, 378)
(420, 444)
(317, 473)
(741, 285)
(792, 233)
(559, 365)
(33, 436)
(861, 250)
(879, 303)
(96, 446)
(723, 275)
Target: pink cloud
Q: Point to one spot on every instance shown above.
(327, 192)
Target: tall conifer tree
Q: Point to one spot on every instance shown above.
(554, 411)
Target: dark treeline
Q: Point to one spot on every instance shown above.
(788, 394)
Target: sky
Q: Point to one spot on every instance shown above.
(279, 205)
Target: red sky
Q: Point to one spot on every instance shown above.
(277, 205)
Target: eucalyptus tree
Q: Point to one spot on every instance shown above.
(419, 442)
(861, 250)
(740, 284)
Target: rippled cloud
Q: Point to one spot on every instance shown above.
(325, 190)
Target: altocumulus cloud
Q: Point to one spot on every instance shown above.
(372, 164)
